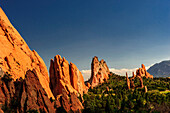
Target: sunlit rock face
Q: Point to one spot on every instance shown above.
(15, 56)
(77, 80)
(99, 72)
(142, 72)
(65, 76)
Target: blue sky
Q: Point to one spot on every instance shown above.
(125, 33)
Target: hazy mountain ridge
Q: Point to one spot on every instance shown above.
(161, 69)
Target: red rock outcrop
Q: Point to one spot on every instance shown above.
(141, 82)
(23, 95)
(140, 73)
(143, 72)
(15, 56)
(132, 85)
(70, 103)
(88, 85)
(65, 76)
(127, 81)
(99, 72)
(77, 80)
(146, 89)
(133, 75)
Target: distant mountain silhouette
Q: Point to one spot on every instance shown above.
(161, 69)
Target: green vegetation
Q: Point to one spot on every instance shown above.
(120, 99)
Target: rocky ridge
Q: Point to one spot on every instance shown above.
(15, 56)
(24, 80)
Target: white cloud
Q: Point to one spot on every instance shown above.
(122, 72)
(87, 73)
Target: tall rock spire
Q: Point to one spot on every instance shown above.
(99, 72)
(65, 76)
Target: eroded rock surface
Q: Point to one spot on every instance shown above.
(70, 102)
(142, 72)
(77, 80)
(24, 95)
(15, 56)
(128, 81)
(65, 76)
(99, 72)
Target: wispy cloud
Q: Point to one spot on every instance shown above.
(122, 72)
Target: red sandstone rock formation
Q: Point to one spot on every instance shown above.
(26, 94)
(141, 82)
(65, 76)
(143, 72)
(132, 85)
(77, 80)
(128, 81)
(146, 89)
(15, 56)
(70, 103)
(107, 89)
(99, 72)
(133, 75)
(88, 85)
